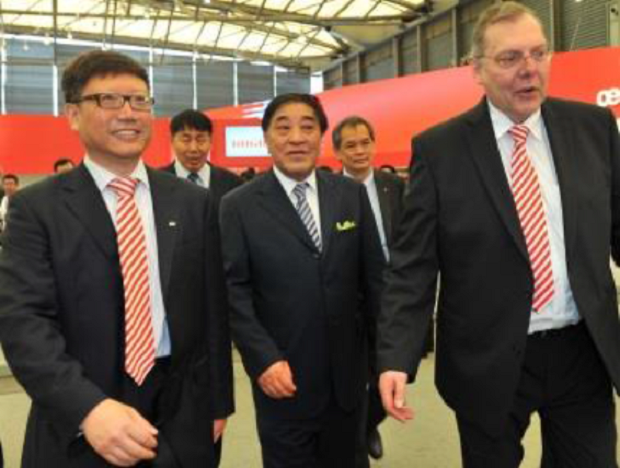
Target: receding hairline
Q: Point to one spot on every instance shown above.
(506, 12)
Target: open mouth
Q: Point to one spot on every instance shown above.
(528, 91)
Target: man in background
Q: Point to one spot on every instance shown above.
(515, 207)
(191, 133)
(353, 140)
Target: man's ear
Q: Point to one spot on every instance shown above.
(72, 111)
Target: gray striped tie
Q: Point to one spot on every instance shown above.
(303, 208)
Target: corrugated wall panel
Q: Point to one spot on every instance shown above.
(378, 64)
(543, 10)
(438, 36)
(584, 24)
(173, 85)
(409, 52)
(255, 83)
(332, 78)
(291, 82)
(215, 84)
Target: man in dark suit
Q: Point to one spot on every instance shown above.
(191, 133)
(110, 293)
(516, 205)
(301, 251)
(353, 139)
(191, 141)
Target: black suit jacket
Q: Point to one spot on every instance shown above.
(222, 181)
(290, 301)
(390, 189)
(460, 221)
(62, 314)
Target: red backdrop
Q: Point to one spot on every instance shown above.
(398, 108)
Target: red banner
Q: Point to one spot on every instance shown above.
(398, 109)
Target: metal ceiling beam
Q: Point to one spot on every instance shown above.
(205, 50)
(280, 17)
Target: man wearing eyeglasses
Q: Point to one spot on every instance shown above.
(515, 205)
(111, 286)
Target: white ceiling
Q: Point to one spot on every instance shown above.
(292, 33)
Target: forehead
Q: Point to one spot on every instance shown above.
(351, 132)
(116, 82)
(294, 110)
(514, 33)
(188, 131)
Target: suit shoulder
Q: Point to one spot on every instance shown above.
(227, 175)
(575, 108)
(445, 129)
(389, 179)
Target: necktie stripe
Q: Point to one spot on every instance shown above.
(131, 240)
(305, 213)
(532, 218)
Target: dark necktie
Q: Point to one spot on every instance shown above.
(305, 213)
(195, 178)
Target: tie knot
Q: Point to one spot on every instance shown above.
(193, 177)
(300, 190)
(519, 133)
(124, 186)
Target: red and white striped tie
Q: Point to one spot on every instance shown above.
(139, 338)
(532, 217)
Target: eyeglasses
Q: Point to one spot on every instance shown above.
(138, 102)
(514, 58)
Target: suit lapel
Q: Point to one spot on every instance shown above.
(167, 222)
(83, 198)
(328, 206)
(277, 203)
(485, 153)
(384, 194)
(560, 139)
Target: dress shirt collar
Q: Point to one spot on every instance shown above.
(204, 173)
(103, 177)
(502, 123)
(289, 184)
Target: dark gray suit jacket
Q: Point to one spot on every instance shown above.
(290, 301)
(62, 314)
(222, 181)
(460, 221)
(390, 189)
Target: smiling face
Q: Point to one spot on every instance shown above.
(114, 138)
(357, 150)
(294, 139)
(518, 91)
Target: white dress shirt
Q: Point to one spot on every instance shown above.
(373, 195)
(4, 209)
(204, 174)
(562, 310)
(144, 201)
(312, 194)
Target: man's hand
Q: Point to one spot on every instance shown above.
(119, 434)
(392, 387)
(218, 429)
(277, 381)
